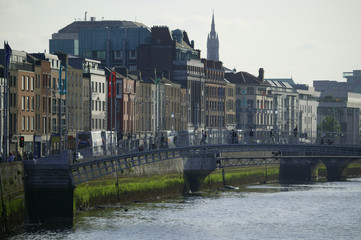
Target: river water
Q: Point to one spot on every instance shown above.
(330, 210)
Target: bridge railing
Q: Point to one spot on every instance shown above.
(216, 137)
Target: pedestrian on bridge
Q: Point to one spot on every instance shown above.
(250, 135)
(295, 131)
(150, 143)
(272, 136)
(204, 138)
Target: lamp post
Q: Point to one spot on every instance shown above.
(244, 109)
(172, 121)
(48, 91)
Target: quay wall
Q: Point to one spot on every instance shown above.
(12, 196)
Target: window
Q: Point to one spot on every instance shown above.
(27, 103)
(101, 55)
(118, 54)
(44, 125)
(27, 123)
(32, 103)
(23, 123)
(23, 103)
(119, 90)
(32, 124)
(32, 84)
(132, 54)
(22, 82)
(27, 84)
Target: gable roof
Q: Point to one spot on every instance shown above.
(243, 78)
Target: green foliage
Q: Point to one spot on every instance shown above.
(330, 98)
(329, 124)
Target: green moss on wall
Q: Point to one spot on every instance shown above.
(126, 190)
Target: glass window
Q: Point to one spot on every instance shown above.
(23, 102)
(22, 82)
(101, 55)
(27, 84)
(32, 84)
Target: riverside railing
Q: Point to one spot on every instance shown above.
(172, 139)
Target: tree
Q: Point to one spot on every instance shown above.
(330, 98)
(329, 124)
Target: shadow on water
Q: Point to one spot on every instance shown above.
(47, 227)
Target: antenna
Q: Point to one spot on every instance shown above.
(85, 16)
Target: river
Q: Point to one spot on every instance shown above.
(330, 210)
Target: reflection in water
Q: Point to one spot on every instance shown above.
(272, 211)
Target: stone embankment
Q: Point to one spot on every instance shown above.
(12, 196)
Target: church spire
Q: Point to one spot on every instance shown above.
(212, 43)
(213, 27)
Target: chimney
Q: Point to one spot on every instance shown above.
(261, 74)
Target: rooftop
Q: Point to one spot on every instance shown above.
(75, 26)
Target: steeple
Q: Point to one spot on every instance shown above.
(213, 43)
(213, 27)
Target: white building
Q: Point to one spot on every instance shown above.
(308, 104)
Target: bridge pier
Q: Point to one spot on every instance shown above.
(336, 171)
(290, 172)
(197, 168)
(48, 188)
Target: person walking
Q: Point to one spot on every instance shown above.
(202, 138)
(251, 135)
(272, 136)
(205, 137)
(11, 158)
(233, 137)
(150, 144)
(295, 131)
(162, 141)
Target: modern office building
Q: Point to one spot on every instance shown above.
(114, 43)
(352, 84)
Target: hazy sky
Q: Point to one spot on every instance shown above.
(304, 39)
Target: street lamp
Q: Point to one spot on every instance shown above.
(172, 121)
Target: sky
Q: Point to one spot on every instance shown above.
(304, 39)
